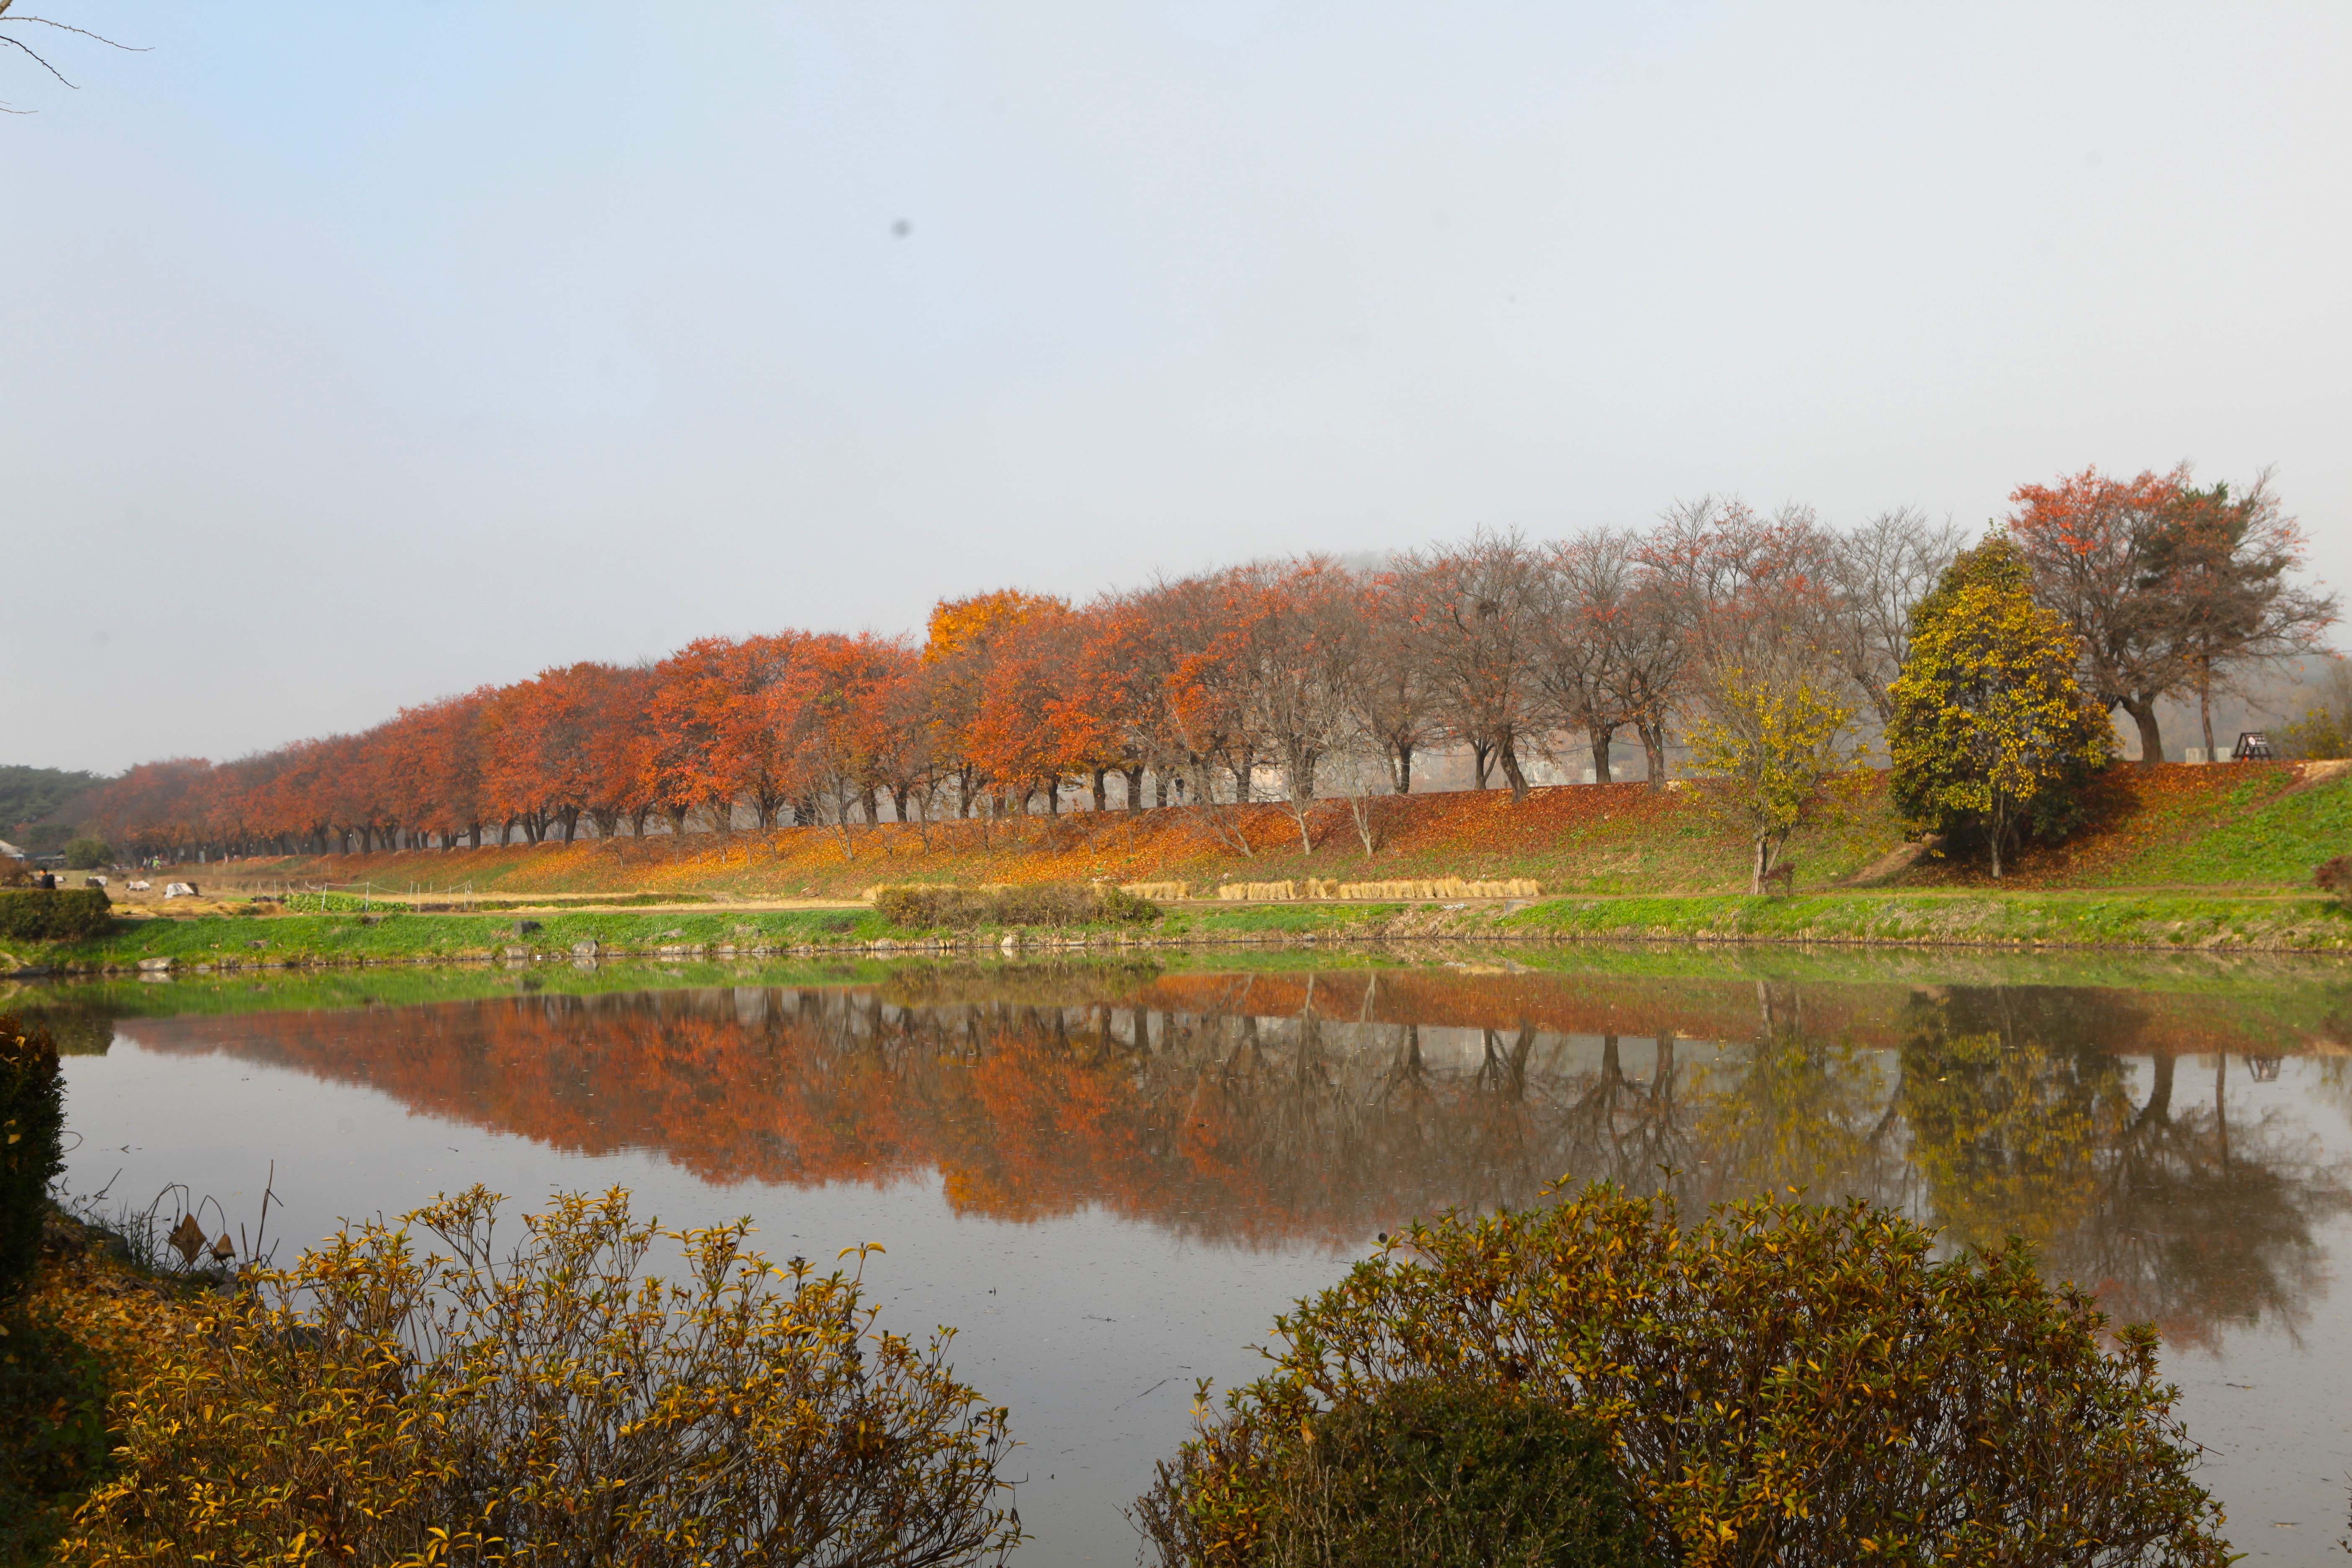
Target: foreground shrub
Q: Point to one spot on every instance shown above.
(1779, 1383)
(1429, 1474)
(53, 1437)
(2335, 877)
(920, 908)
(32, 1146)
(370, 1405)
(37, 914)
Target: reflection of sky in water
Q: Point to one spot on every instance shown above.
(1110, 1200)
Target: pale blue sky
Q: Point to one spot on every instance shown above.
(354, 356)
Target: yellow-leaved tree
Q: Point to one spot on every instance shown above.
(1771, 743)
(1992, 735)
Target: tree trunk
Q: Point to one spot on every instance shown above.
(1134, 789)
(1482, 760)
(1654, 752)
(2158, 1108)
(1763, 864)
(2220, 1108)
(2205, 705)
(571, 814)
(1404, 770)
(1601, 739)
(1518, 781)
(1999, 817)
(2151, 739)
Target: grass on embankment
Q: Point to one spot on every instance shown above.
(2177, 922)
(2253, 825)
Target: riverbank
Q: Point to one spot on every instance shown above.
(2160, 921)
(2253, 826)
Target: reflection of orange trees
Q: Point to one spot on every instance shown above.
(1236, 1126)
(1287, 1108)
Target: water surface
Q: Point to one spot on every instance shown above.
(1110, 1178)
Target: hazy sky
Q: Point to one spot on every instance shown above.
(353, 355)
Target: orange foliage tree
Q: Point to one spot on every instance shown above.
(1191, 688)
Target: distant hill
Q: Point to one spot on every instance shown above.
(29, 794)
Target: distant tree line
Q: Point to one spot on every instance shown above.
(1330, 680)
(27, 794)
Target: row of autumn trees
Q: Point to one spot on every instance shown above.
(1331, 680)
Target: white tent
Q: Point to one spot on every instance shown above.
(10, 850)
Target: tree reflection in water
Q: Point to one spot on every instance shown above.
(1312, 1110)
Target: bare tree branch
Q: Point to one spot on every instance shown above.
(44, 65)
(37, 58)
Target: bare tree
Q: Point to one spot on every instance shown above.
(1579, 673)
(1480, 603)
(1728, 591)
(1303, 641)
(1754, 590)
(1395, 697)
(1653, 659)
(1880, 572)
(1358, 773)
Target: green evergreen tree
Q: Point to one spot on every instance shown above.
(1992, 737)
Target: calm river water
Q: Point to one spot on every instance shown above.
(1109, 1179)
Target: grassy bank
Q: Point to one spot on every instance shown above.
(2261, 1002)
(2168, 922)
(2250, 826)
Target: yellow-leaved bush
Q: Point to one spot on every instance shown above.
(1770, 745)
(374, 1404)
(1780, 1382)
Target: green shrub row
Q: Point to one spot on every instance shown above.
(920, 908)
(34, 914)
